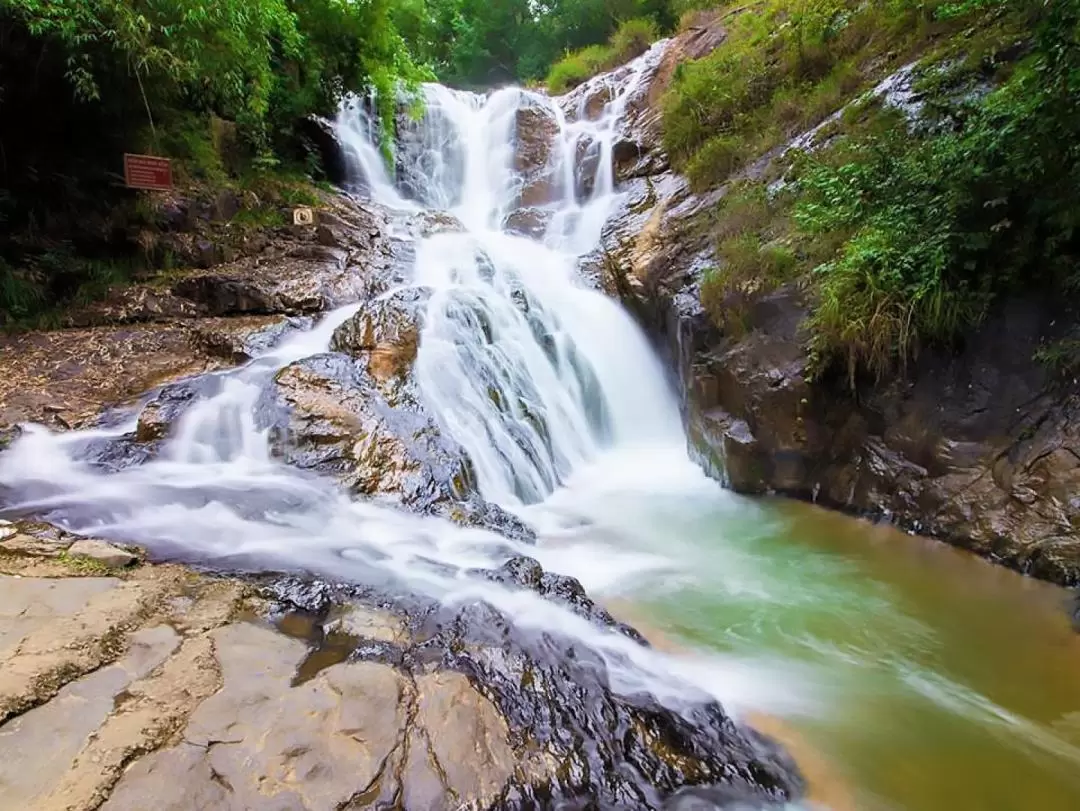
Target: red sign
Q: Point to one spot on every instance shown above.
(147, 172)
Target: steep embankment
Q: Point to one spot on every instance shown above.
(950, 418)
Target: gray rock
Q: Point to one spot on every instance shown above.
(104, 553)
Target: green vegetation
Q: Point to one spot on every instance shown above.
(787, 64)
(904, 231)
(632, 38)
(478, 43)
(223, 88)
(226, 89)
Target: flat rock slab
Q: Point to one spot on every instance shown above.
(104, 553)
(39, 746)
(353, 733)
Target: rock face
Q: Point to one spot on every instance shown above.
(977, 446)
(376, 439)
(356, 415)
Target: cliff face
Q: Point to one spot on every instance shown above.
(978, 444)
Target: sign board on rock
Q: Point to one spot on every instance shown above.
(303, 216)
(147, 172)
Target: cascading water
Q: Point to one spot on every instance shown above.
(541, 379)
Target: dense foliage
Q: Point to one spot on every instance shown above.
(221, 86)
(943, 222)
(481, 43)
(908, 227)
(632, 38)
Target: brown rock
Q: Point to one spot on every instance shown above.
(534, 141)
(385, 332)
(468, 737)
(370, 433)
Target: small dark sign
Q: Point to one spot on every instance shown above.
(147, 172)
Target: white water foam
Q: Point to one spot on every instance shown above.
(542, 380)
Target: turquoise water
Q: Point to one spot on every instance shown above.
(902, 673)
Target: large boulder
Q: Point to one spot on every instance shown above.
(335, 417)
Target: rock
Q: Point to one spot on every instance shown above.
(534, 141)
(18, 544)
(528, 222)
(319, 134)
(104, 553)
(82, 371)
(587, 743)
(428, 223)
(62, 726)
(536, 711)
(356, 620)
(131, 305)
(978, 447)
(586, 164)
(239, 339)
(331, 415)
(169, 404)
(527, 573)
(385, 333)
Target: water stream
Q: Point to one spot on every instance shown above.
(921, 678)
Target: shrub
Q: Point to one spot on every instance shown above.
(631, 39)
(785, 66)
(934, 225)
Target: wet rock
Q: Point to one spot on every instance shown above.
(977, 447)
(365, 623)
(528, 222)
(535, 132)
(312, 596)
(541, 707)
(475, 512)
(588, 743)
(385, 333)
(377, 440)
(101, 552)
(170, 403)
(428, 223)
(527, 573)
(586, 165)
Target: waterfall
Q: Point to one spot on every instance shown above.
(530, 370)
(552, 390)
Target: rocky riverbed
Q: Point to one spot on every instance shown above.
(125, 679)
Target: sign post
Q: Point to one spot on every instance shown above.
(147, 172)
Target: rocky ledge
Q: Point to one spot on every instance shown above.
(122, 683)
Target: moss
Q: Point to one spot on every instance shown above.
(83, 567)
